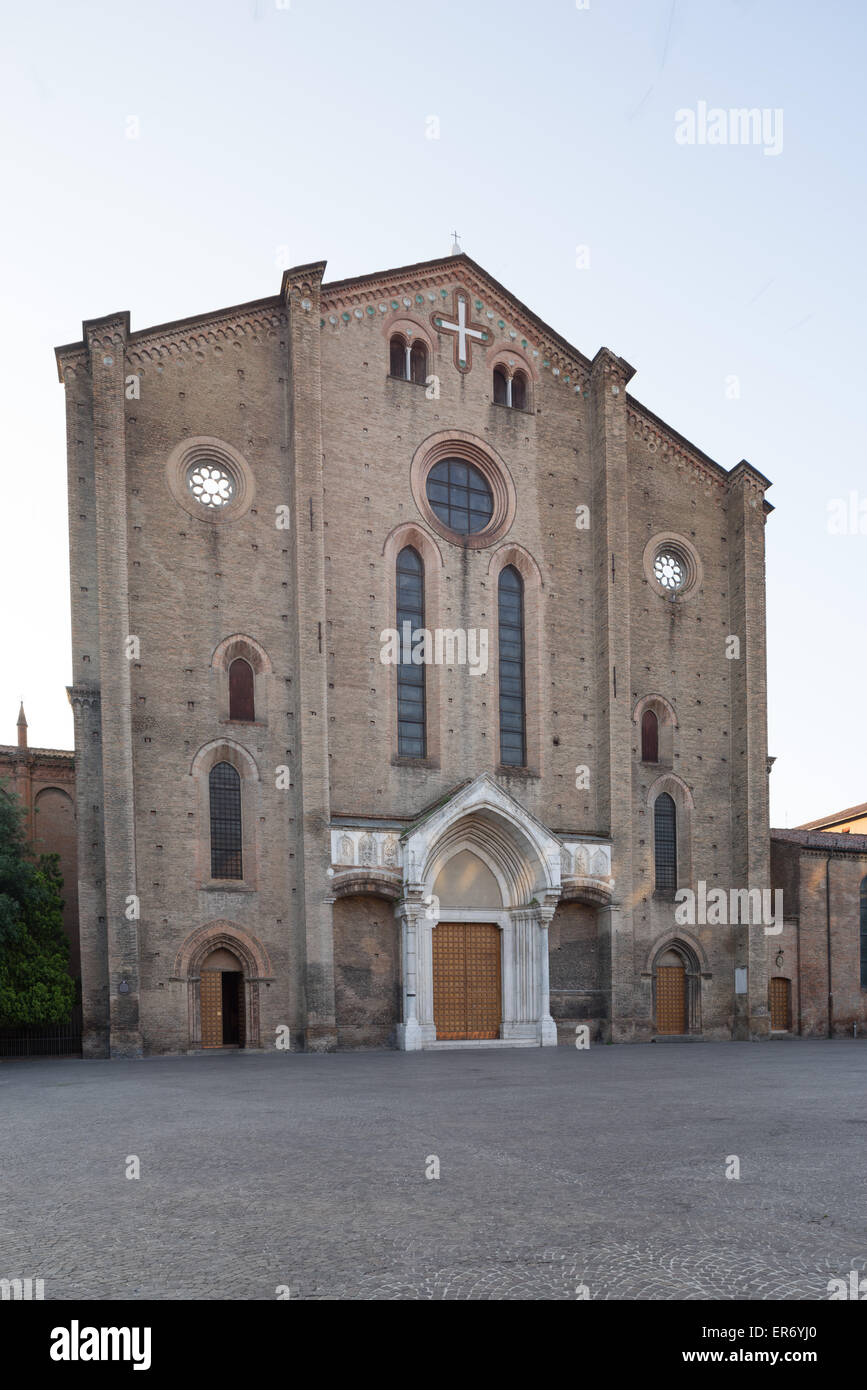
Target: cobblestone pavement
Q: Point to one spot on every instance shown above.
(557, 1168)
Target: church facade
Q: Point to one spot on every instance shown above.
(417, 666)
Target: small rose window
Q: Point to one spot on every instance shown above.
(669, 570)
(211, 484)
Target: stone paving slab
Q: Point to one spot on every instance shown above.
(558, 1168)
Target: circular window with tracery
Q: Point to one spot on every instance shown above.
(463, 489)
(210, 479)
(672, 565)
(669, 571)
(211, 484)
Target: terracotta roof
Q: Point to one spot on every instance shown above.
(850, 814)
(822, 839)
(36, 752)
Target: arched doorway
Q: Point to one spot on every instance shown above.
(467, 971)
(223, 946)
(677, 975)
(222, 1000)
(671, 994)
(481, 879)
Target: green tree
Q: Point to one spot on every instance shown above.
(35, 985)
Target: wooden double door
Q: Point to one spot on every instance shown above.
(779, 999)
(222, 1002)
(467, 981)
(671, 999)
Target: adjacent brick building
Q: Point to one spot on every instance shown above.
(282, 836)
(819, 961)
(44, 780)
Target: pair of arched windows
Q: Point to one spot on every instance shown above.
(407, 361)
(511, 390)
(411, 722)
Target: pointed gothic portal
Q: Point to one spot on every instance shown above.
(464, 331)
(481, 880)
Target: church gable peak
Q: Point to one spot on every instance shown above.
(433, 291)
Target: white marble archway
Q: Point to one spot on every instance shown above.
(525, 859)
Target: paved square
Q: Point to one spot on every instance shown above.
(557, 1168)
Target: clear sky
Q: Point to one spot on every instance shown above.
(273, 133)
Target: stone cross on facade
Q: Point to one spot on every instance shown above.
(464, 332)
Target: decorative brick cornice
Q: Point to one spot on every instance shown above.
(700, 470)
(191, 341)
(71, 359)
(181, 340)
(744, 475)
(107, 333)
(79, 695)
(303, 281)
(615, 369)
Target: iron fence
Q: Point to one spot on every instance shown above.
(43, 1039)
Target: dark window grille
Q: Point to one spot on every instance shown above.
(459, 494)
(411, 740)
(225, 797)
(665, 842)
(864, 933)
(418, 364)
(397, 357)
(519, 391)
(513, 743)
(241, 704)
(649, 737)
(501, 391)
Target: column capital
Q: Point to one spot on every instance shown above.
(412, 909)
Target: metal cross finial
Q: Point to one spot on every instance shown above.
(456, 245)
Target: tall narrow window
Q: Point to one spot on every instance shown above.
(398, 357)
(649, 737)
(224, 787)
(418, 363)
(501, 387)
(665, 842)
(411, 741)
(864, 933)
(513, 741)
(519, 391)
(241, 704)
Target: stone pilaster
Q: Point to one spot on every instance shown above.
(546, 1027)
(747, 511)
(106, 342)
(91, 870)
(610, 523)
(301, 294)
(417, 1026)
